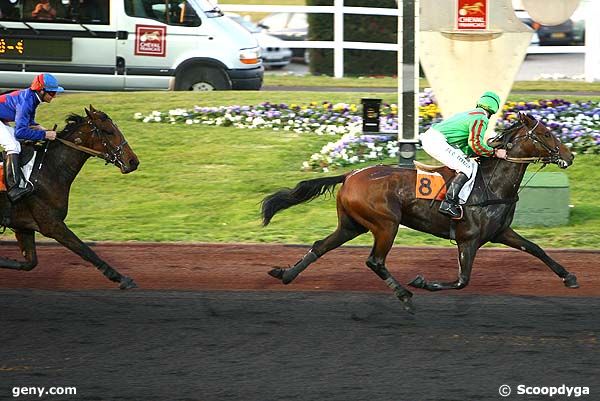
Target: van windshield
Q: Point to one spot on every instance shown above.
(210, 9)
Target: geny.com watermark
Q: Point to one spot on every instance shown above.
(42, 391)
(570, 391)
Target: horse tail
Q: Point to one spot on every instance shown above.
(304, 191)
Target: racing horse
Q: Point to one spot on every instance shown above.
(46, 209)
(380, 198)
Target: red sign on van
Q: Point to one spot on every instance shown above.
(150, 40)
(471, 14)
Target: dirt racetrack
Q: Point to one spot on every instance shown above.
(244, 267)
(208, 324)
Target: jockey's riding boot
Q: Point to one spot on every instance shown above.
(14, 177)
(450, 205)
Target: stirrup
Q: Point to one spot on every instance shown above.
(17, 193)
(454, 211)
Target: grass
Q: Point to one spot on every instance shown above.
(198, 183)
(392, 82)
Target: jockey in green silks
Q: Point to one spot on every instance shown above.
(456, 139)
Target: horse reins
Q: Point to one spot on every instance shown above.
(554, 152)
(554, 155)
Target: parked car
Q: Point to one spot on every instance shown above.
(570, 32)
(275, 54)
(288, 26)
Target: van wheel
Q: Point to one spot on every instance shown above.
(203, 79)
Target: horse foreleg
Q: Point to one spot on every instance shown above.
(61, 233)
(26, 240)
(384, 239)
(466, 256)
(511, 238)
(347, 229)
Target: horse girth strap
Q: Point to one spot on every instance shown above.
(489, 202)
(83, 149)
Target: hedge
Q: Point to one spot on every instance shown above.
(357, 28)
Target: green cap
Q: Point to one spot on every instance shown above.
(489, 101)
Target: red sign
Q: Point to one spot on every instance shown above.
(150, 40)
(471, 14)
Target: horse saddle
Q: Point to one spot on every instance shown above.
(27, 160)
(28, 150)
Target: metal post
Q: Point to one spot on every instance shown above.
(338, 39)
(408, 85)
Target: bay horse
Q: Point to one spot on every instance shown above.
(380, 198)
(46, 209)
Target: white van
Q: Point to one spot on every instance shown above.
(126, 44)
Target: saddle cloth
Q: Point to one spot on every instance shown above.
(430, 185)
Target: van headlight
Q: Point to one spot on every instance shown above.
(250, 56)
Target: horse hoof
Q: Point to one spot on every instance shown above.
(571, 281)
(408, 305)
(277, 273)
(418, 282)
(127, 283)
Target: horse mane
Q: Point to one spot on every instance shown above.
(74, 121)
(508, 130)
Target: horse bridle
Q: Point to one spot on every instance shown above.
(554, 153)
(113, 154)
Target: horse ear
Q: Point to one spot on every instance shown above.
(89, 113)
(92, 109)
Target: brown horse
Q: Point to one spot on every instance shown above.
(46, 209)
(380, 198)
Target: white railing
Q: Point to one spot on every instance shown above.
(338, 44)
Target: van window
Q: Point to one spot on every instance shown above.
(170, 12)
(10, 10)
(91, 11)
(77, 11)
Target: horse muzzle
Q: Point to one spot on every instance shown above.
(563, 163)
(129, 167)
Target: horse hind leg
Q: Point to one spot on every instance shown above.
(384, 240)
(26, 240)
(347, 229)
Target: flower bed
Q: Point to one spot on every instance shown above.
(577, 124)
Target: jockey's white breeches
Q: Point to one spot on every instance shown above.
(436, 145)
(7, 139)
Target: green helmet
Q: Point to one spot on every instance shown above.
(489, 101)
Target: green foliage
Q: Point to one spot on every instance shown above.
(357, 28)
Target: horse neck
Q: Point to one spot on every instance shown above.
(64, 163)
(502, 177)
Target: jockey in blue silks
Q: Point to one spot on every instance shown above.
(19, 107)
